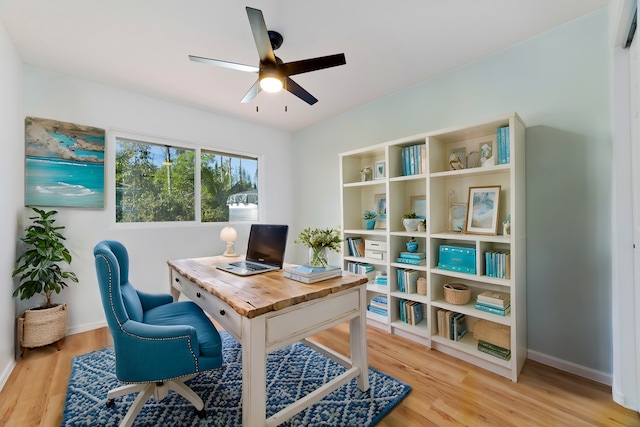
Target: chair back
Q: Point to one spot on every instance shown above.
(119, 298)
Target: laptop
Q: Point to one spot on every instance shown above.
(265, 251)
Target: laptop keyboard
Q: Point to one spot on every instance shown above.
(249, 266)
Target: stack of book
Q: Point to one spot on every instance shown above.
(451, 325)
(379, 305)
(410, 312)
(412, 258)
(361, 268)
(502, 141)
(356, 246)
(380, 279)
(407, 280)
(414, 159)
(494, 302)
(498, 264)
(309, 274)
(494, 350)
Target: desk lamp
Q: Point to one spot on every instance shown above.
(229, 235)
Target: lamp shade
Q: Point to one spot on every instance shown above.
(228, 234)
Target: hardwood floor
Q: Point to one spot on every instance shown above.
(445, 391)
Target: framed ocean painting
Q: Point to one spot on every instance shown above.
(64, 164)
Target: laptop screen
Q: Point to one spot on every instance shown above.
(267, 243)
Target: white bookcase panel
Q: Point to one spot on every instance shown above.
(439, 185)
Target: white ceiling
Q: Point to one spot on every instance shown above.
(142, 45)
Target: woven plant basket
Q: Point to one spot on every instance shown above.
(43, 326)
(457, 293)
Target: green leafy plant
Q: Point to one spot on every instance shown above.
(39, 266)
(369, 215)
(410, 214)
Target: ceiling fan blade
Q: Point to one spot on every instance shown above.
(306, 65)
(261, 35)
(225, 64)
(253, 92)
(298, 91)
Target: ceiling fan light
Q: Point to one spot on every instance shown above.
(271, 84)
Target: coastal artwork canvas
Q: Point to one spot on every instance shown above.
(64, 164)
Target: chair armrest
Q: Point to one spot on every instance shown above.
(147, 353)
(150, 301)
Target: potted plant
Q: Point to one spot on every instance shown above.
(369, 219)
(320, 241)
(40, 272)
(410, 221)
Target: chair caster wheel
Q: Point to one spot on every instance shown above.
(201, 413)
(110, 403)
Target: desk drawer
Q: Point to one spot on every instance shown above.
(216, 308)
(302, 319)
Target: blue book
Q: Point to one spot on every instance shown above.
(411, 261)
(413, 255)
(488, 309)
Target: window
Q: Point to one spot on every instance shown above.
(157, 183)
(229, 187)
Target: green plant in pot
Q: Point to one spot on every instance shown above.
(369, 219)
(410, 221)
(40, 271)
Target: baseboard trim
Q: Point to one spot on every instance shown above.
(570, 367)
(86, 327)
(7, 373)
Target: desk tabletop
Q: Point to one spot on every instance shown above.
(252, 296)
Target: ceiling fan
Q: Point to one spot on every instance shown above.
(273, 74)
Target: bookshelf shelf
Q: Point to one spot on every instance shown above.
(417, 168)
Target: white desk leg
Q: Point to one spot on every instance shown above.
(254, 376)
(358, 338)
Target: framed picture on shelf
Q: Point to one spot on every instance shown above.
(419, 206)
(457, 158)
(482, 213)
(378, 172)
(457, 217)
(381, 210)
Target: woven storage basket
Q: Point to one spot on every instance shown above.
(457, 293)
(41, 327)
(493, 333)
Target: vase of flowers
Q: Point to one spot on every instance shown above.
(320, 242)
(369, 219)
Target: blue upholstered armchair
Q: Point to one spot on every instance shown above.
(158, 343)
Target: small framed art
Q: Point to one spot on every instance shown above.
(457, 217)
(483, 208)
(381, 210)
(419, 206)
(378, 171)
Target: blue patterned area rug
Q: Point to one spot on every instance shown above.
(292, 372)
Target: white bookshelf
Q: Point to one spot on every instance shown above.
(436, 184)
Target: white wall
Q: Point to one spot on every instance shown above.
(11, 193)
(55, 96)
(559, 83)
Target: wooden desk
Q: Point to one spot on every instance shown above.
(266, 312)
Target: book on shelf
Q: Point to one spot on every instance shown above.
(356, 246)
(378, 305)
(494, 350)
(504, 150)
(494, 297)
(492, 305)
(413, 159)
(410, 312)
(498, 264)
(413, 255)
(407, 280)
(458, 327)
(493, 310)
(378, 311)
(411, 261)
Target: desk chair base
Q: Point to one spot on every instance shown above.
(159, 391)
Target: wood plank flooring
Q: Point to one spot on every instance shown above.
(445, 391)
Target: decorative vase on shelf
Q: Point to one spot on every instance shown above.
(318, 256)
(412, 245)
(370, 224)
(410, 224)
